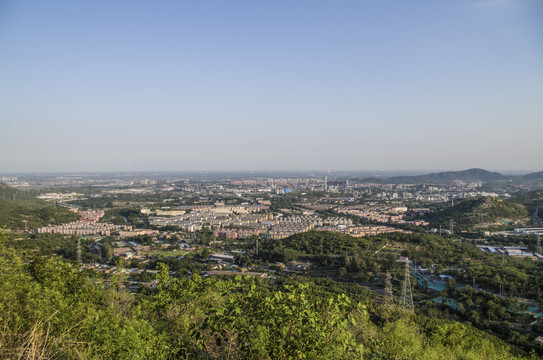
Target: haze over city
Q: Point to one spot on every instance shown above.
(243, 85)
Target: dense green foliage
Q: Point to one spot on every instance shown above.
(365, 260)
(532, 200)
(360, 258)
(482, 212)
(126, 216)
(367, 256)
(330, 252)
(246, 319)
(148, 198)
(49, 244)
(518, 276)
(36, 213)
(49, 309)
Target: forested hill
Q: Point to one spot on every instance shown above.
(449, 176)
(532, 200)
(481, 213)
(53, 311)
(16, 207)
(534, 176)
(469, 175)
(446, 177)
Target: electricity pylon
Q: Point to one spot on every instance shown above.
(389, 295)
(406, 301)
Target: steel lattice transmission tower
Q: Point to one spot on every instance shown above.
(406, 301)
(389, 295)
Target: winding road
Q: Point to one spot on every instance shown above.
(535, 216)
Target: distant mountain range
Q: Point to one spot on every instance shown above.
(534, 176)
(464, 175)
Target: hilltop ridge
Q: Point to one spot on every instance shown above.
(474, 174)
(481, 213)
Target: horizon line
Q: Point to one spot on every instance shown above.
(418, 171)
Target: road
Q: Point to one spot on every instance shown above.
(537, 219)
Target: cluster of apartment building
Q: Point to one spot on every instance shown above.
(86, 225)
(8, 178)
(212, 217)
(286, 226)
(59, 196)
(91, 215)
(466, 184)
(83, 228)
(217, 208)
(379, 213)
(231, 225)
(360, 231)
(271, 182)
(153, 181)
(458, 189)
(137, 232)
(317, 207)
(286, 229)
(236, 233)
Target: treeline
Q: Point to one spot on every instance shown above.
(49, 309)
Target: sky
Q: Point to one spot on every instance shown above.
(270, 85)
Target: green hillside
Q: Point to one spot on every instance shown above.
(532, 200)
(17, 206)
(534, 176)
(446, 177)
(37, 214)
(50, 310)
(481, 213)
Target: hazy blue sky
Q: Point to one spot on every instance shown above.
(293, 84)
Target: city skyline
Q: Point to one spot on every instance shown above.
(356, 85)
